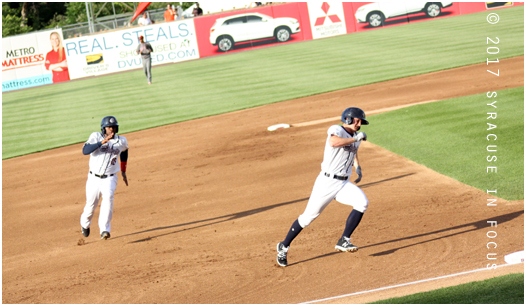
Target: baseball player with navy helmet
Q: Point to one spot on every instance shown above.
(104, 149)
(341, 154)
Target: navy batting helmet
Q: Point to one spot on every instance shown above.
(353, 112)
(109, 121)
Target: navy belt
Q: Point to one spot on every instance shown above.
(101, 176)
(341, 178)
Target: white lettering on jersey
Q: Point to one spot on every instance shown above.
(104, 159)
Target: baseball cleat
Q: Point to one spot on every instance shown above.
(85, 231)
(282, 254)
(105, 235)
(344, 245)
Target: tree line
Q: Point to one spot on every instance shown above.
(23, 17)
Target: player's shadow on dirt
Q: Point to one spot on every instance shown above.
(468, 227)
(215, 220)
(234, 216)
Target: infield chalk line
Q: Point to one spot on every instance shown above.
(383, 110)
(406, 284)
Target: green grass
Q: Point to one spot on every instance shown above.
(507, 289)
(450, 137)
(47, 117)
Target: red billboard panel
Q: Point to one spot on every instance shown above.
(258, 27)
(372, 15)
(250, 28)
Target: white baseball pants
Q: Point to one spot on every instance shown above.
(325, 190)
(95, 188)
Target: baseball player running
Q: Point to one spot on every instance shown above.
(341, 153)
(104, 149)
(145, 50)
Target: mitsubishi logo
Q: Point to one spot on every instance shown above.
(321, 20)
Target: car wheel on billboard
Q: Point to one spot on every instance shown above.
(375, 19)
(225, 43)
(282, 34)
(433, 9)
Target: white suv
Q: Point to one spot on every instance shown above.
(376, 13)
(230, 30)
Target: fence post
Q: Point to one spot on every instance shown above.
(90, 25)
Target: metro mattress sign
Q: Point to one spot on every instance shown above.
(327, 19)
(23, 60)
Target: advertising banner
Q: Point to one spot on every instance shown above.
(245, 29)
(326, 19)
(116, 51)
(45, 58)
(373, 15)
(473, 7)
(33, 60)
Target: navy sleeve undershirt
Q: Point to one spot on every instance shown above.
(90, 147)
(124, 156)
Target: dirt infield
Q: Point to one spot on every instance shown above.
(209, 199)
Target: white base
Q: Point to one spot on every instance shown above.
(515, 258)
(278, 126)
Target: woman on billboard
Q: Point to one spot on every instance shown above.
(56, 59)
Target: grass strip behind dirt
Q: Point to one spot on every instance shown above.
(451, 137)
(47, 117)
(507, 289)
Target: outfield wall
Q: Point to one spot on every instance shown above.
(23, 60)
(178, 41)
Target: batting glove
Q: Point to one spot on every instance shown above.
(360, 136)
(359, 172)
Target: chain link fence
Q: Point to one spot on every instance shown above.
(109, 23)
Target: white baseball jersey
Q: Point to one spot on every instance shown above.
(339, 160)
(105, 160)
(336, 161)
